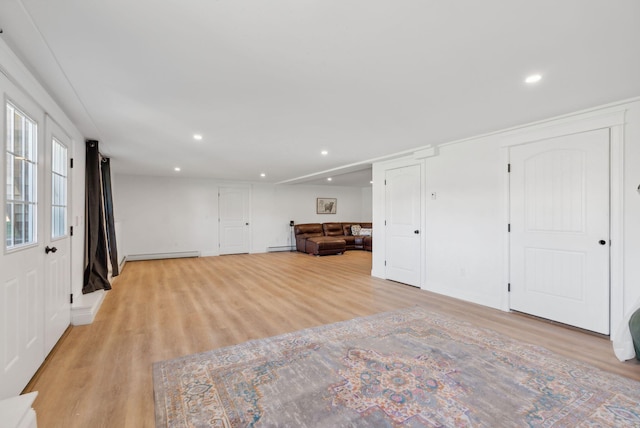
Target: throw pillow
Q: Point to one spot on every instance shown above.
(365, 231)
(355, 229)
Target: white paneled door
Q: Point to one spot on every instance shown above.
(559, 241)
(35, 259)
(57, 284)
(233, 208)
(402, 224)
(22, 258)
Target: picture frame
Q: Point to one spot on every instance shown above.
(326, 205)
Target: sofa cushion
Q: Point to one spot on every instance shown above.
(355, 229)
(332, 229)
(312, 229)
(324, 245)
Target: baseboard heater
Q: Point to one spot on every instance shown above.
(280, 248)
(159, 256)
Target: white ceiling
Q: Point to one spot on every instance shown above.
(271, 83)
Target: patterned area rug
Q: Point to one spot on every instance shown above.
(408, 368)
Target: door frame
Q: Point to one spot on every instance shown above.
(612, 118)
(379, 198)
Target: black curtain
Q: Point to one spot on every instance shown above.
(108, 215)
(97, 254)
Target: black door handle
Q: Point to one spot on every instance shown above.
(602, 242)
(50, 250)
(416, 231)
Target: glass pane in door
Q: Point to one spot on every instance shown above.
(58, 189)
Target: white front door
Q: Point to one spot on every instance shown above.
(233, 209)
(57, 285)
(22, 257)
(560, 229)
(403, 192)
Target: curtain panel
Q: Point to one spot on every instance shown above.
(108, 215)
(100, 239)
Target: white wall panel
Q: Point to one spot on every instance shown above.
(464, 225)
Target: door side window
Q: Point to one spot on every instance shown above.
(21, 178)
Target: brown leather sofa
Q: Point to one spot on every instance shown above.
(330, 238)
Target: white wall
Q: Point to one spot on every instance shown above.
(367, 204)
(465, 225)
(27, 84)
(162, 215)
(172, 214)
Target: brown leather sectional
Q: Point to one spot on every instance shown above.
(322, 239)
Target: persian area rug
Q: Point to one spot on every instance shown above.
(408, 368)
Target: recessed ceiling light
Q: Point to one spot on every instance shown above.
(263, 175)
(324, 153)
(533, 78)
(197, 136)
(329, 179)
(176, 169)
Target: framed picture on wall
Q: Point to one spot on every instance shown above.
(326, 205)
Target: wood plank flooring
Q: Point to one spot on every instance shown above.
(100, 375)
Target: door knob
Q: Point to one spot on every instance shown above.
(416, 231)
(602, 242)
(50, 250)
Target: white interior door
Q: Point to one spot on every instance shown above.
(57, 287)
(403, 192)
(233, 208)
(22, 258)
(560, 229)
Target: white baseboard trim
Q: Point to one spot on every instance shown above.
(158, 256)
(85, 308)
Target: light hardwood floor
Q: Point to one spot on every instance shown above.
(100, 375)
